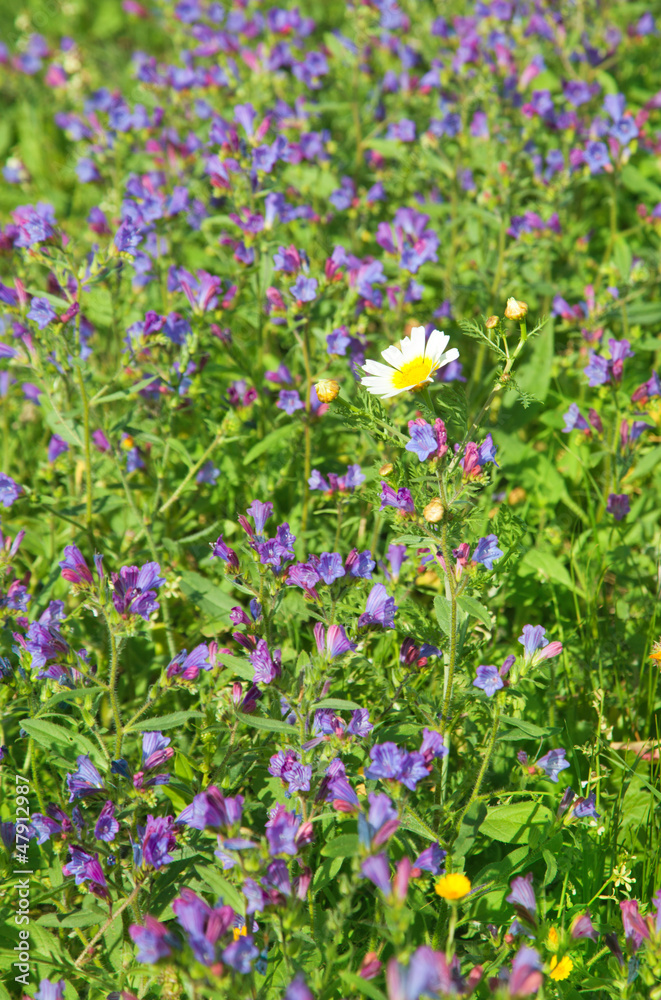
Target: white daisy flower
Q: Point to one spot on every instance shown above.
(410, 365)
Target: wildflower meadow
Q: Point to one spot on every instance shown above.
(330, 496)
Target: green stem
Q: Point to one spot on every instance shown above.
(307, 460)
(112, 689)
(120, 909)
(191, 472)
(88, 451)
(491, 743)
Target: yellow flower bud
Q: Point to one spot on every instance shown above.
(327, 390)
(492, 322)
(515, 309)
(386, 469)
(434, 511)
(453, 887)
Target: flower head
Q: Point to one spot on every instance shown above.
(453, 886)
(560, 969)
(411, 365)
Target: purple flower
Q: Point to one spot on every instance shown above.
(487, 551)
(423, 442)
(635, 927)
(281, 830)
(337, 642)
(582, 927)
(154, 941)
(574, 420)
(240, 954)
(50, 991)
(535, 646)
(359, 724)
(360, 564)
(86, 780)
(41, 312)
(128, 237)
(586, 807)
(304, 289)
(401, 499)
(431, 859)
(188, 666)
(297, 989)
(380, 823)
(289, 401)
(9, 490)
(288, 767)
(377, 870)
(523, 899)
(526, 977)
(328, 566)
(208, 474)
(45, 827)
(107, 826)
(618, 505)
(380, 609)
(210, 808)
(73, 566)
(84, 867)
(132, 589)
(391, 763)
(396, 556)
(489, 679)
(222, 551)
(597, 370)
(156, 750)
(596, 156)
(157, 840)
(56, 446)
(267, 667)
(432, 746)
(553, 763)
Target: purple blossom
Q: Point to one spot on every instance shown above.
(56, 447)
(85, 867)
(266, 666)
(153, 941)
(50, 990)
(523, 899)
(240, 954)
(402, 499)
(86, 780)
(329, 566)
(526, 977)
(552, 763)
(360, 564)
(133, 592)
(210, 808)
(377, 869)
(582, 927)
(221, 550)
(618, 505)
(489, 679)
(9, 490)
(73, 566)
(304, 289)
(208, 474)
(158, 839)
(574, 420)
(41, 312)
(586, 807)
(396, 556)
(107, 826)
(281, 830)
(487, 551)
(289, 401)
(380, 609)
(431, 859)
(359, 724)
(390, 762)
(636, 929)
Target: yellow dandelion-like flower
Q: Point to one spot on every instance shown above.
(411, 365)
(560, 969)
(656, 653)
(552, 939)
(453, 887)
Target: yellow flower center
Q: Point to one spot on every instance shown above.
(413, 373)
(454, 886)
(560, 969)
(239, 932)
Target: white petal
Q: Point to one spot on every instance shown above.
(376, 368)
(418, 341)
(436, 344)
(449, 356)
(393, 356)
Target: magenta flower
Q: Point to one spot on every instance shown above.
(618, 505)
(85, 781)
(401, 500)
(73, 566)
(379, 610)
(107, 826)
(133, 592)
(153, 941)
(267, 666)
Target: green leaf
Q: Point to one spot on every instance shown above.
(268, 725)
(530, 730)
(239, 665)
(207, 595)
(468, 830)
(548, 565)
(164, 721)
(67, 694)
(647, 464)
(344, 846)
(336, 704)
(46, 733)
(511, 824)
(443, 610)
(275, 438)
(360, 985)
(551, 866)
(83, 918)
(473, 607)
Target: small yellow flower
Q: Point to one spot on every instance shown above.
(515, 309)
(491, 323)
(239, 932)
(327, 390)
(452, 887)
(434, 511)
(386, 469)
(560, 969)
(552, 939)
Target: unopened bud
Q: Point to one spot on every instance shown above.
(386, 469)
(492, 322)
(327, 390)
(515, 309)
(434, 511)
